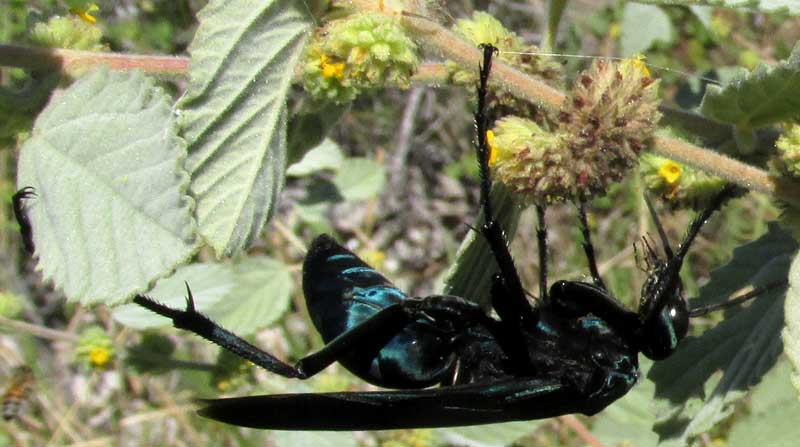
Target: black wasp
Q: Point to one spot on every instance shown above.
(575, 351)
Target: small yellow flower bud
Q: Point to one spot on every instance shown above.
(331, 69)
(94, 348)
(99, 357)
(670, 171)
(84, 12)
(492, 148)
(680, 186)
(637, 62)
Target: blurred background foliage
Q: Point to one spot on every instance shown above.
(397, 183)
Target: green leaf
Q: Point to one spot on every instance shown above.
(772, 6)
(765, 96)
(791, 333)
(111, 213)
(472, 270)
(360, 179)
(234, 114)
(494, 435)
(773, 416)
(242, 297)
(636, 38)
(313, 438)
(308, 128)
(210, 283)
(698, 384)
(315, 215)
(327, 155)
(703, 13)
(260, 296)
(629, 420)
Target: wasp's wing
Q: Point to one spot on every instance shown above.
(342, 290)
(438, 407)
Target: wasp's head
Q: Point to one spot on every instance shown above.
(663, 310)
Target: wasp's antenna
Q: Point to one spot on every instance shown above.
(657, 222)
(727, 192)
(669, 277)
(705, 310)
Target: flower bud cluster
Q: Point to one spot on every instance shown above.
(68, 32)
(358, 53)
(483, 28)
(789, 151)
(787, 164)
(601, 129)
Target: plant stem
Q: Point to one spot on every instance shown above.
(68, 61)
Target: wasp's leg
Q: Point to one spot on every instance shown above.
(517, 305)
(588, 248)
(576, 299)
(25, 229)
(368, 337)
(541, 235)
(513, 325)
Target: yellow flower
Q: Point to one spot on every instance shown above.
(95, 349)
(615, 30)
(373, 258)
(670, 172)
(85, 12)
(99, 357)
(637, 61)
(492, 147)
(331, 69)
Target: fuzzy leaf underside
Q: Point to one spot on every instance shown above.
(111, 214)
(234, 114)
(635, 38)
(765, 96)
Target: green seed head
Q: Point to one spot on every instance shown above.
(789, 151)
(530, 160)
(609, 115)
(360, 52)
(10, 305)
(68, 32)
(484, 28)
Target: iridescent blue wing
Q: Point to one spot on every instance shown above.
(342, 291)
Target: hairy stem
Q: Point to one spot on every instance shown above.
(69, 61)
